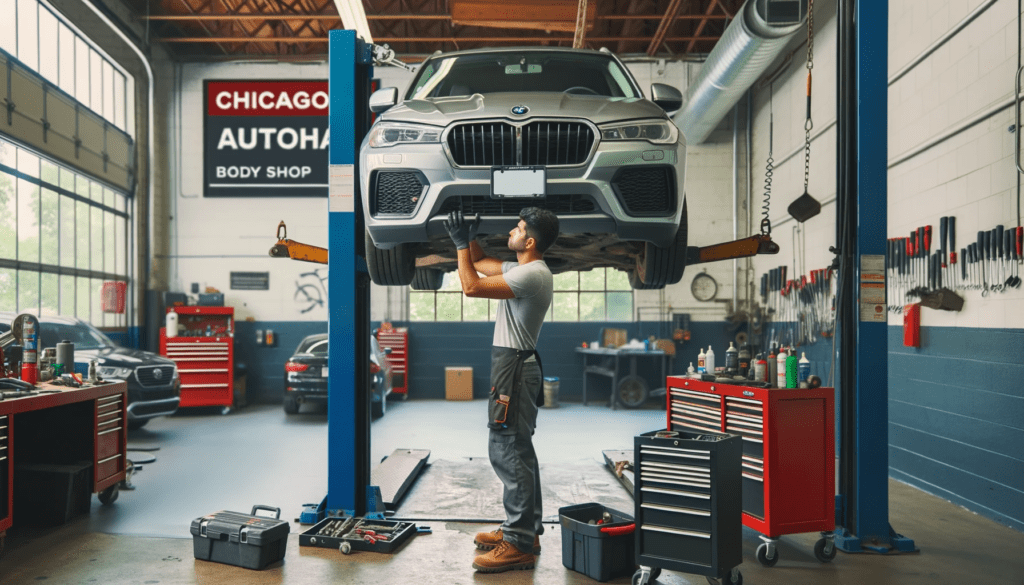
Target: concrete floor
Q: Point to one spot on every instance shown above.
(257, 455)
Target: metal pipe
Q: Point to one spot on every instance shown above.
(149, 134)
(941, 41)
(735, 198)
(746, 49)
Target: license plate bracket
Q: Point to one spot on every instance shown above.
(527, 182)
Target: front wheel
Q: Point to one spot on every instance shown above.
(394, 267)
(109, 495)
(656, 266)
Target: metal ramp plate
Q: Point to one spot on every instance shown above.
(613, 456)
(396, 474)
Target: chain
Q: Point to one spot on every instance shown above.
(809, 124)
(766, 224)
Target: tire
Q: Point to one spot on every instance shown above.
(762, 556)
(109, 495)
(136, 424)
(632, 391)
(427, 279)
(662, 266)
(637, 284)
(819, 551)
(290, 405)
(394, 267)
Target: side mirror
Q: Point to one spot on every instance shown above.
(666, 96)
(384, 99)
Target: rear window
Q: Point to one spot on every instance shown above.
(316, 346)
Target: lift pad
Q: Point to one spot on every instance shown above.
(613, 458)
(396, 474)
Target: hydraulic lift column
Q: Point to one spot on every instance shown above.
(862, 506)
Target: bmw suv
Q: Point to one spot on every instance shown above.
(490, 131)
(154, 386)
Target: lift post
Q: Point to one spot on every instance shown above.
(862, 506)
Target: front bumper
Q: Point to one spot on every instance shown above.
(146, 402)
(603, 211)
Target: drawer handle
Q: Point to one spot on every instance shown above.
(111, 413)
(109, 422)
(108, 431)
(111, 458)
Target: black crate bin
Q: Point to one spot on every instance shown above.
(599, 551)
(243, 540)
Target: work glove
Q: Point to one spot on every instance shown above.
(461, 231)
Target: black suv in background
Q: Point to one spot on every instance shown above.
(154, 387)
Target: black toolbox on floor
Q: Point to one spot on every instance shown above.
(600, 551)
(243, 540)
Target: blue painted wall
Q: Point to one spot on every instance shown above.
(956, 417)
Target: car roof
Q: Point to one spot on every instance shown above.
(532, 49)
(314, 337)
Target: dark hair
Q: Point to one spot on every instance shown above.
(541, 225)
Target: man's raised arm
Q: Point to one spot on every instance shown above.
(485, 265)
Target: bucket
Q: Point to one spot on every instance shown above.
(550, 392)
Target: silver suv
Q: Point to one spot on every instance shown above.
(490, 131)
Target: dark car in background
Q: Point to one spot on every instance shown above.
(305, 375)
(154, 387)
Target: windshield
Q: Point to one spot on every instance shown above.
(522, 71)
(82, 335)
(314, 345)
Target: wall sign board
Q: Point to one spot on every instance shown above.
(265, 138)
(250, 281)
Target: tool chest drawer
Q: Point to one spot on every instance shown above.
(397, 340)
(687, 504)
(111, 438)
(787, 464)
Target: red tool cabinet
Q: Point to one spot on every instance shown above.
(788, 461)
(398, 341)
(206, 363)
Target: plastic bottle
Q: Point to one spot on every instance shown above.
(709, 360)
(771, 369)
(701, 363)
(732, 359)
(791, 369)
(208, 331)
(29, 355)
(803, 370)
(744, 357)
(690, 371)
(171, 324)
(760, 369)
(780, 370)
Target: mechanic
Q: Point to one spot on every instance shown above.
(524, 289)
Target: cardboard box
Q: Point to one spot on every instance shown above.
(458, 383)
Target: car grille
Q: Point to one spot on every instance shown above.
(559, 204)
(540, 144)
(646, 190)
(154, 375)
(397, 192)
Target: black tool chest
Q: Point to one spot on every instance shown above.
(243, 540)
(349, 534)
(688, 502)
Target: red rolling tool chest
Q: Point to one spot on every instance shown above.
(205, 354)
(398, 341)
(788, 460)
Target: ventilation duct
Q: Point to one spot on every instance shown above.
(750, 44)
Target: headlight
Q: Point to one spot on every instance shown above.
(656, 131)
(385, 134)
(112, 372)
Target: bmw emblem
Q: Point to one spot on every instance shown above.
(158, 373)
(520, 110)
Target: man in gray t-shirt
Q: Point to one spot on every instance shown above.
(524, 288)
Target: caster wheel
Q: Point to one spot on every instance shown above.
(819, 551)
(225, 410)
(728, 580)
(345, 548)
(109, 495)
(655, 573)
(762, 556)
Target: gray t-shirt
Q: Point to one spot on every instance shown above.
(519, 319)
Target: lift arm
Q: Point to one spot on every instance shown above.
(285, 248)
(385, 55)
(752, 246)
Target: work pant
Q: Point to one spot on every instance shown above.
(516, 383)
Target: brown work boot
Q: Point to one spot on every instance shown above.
(504, 557)
(489, 540)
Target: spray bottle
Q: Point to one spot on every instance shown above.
(803, 370)
(780, 371)
(760, 369)
(709, 360)
(732, 360)
(701, 362)
(30, 357)
(791, 370)
(771, 371)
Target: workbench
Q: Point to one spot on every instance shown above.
(608, 362)
(58, 425)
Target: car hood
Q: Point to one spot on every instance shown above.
(442, 111)
(123, 357)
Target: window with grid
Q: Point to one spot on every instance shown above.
(62, 236)
(45, 42)
(602, 294)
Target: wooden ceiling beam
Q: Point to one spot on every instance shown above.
(491, 39)
(663, 26)
(446, 17)
(701, 25)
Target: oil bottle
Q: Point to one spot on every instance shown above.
(771, 371)
(780, 371)
(732, 360)
(701, 362)
(709, 360)
(803, 371)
